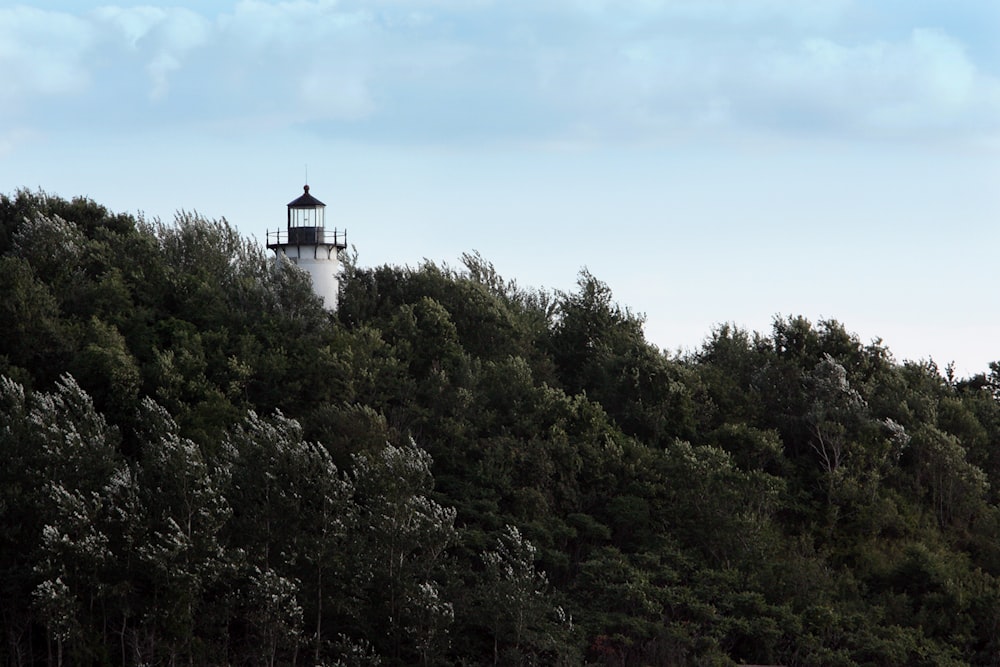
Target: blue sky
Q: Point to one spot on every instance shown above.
(711, 160)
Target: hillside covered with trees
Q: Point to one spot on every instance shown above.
(201, 465)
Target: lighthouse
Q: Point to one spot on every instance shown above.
(307, 243)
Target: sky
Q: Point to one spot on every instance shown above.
(712, 161)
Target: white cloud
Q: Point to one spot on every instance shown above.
(183, 30)
(41, 53)
(923, 82)
(133, 23)
(942, 86)
(717, 13)
(544, 71)
(298, 61)
(164, 37)
(285, 27)
(159, 69)
(652, 85)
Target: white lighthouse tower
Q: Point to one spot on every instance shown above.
(308, 244)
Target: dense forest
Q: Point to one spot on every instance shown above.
(201, 465)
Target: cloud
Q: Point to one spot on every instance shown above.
(545, 71)
(41, 54)
(309, 60)
(132, 24)
(923, 82)
(716, 13)
(162, 37)
(655, 84)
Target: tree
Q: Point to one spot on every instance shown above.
(955, 488)
(399, 539)
(836, 408)
(526, 625)
(108, 370)
(60, 457)
(180, 555)
(291, 513)
(599, 349)
(34, 342)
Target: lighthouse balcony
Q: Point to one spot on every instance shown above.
(307, 236)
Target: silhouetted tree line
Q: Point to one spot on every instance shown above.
(201, 465)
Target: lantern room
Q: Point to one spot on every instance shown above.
(305, 219)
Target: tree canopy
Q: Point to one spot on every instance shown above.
(203, 465)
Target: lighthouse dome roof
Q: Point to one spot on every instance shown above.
(306, 200)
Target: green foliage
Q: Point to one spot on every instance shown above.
(397, 552)
(34, 341)
(515, 603)
(201, 465)
(291, 515)
(599, 349)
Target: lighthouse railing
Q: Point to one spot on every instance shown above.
(307, 236)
